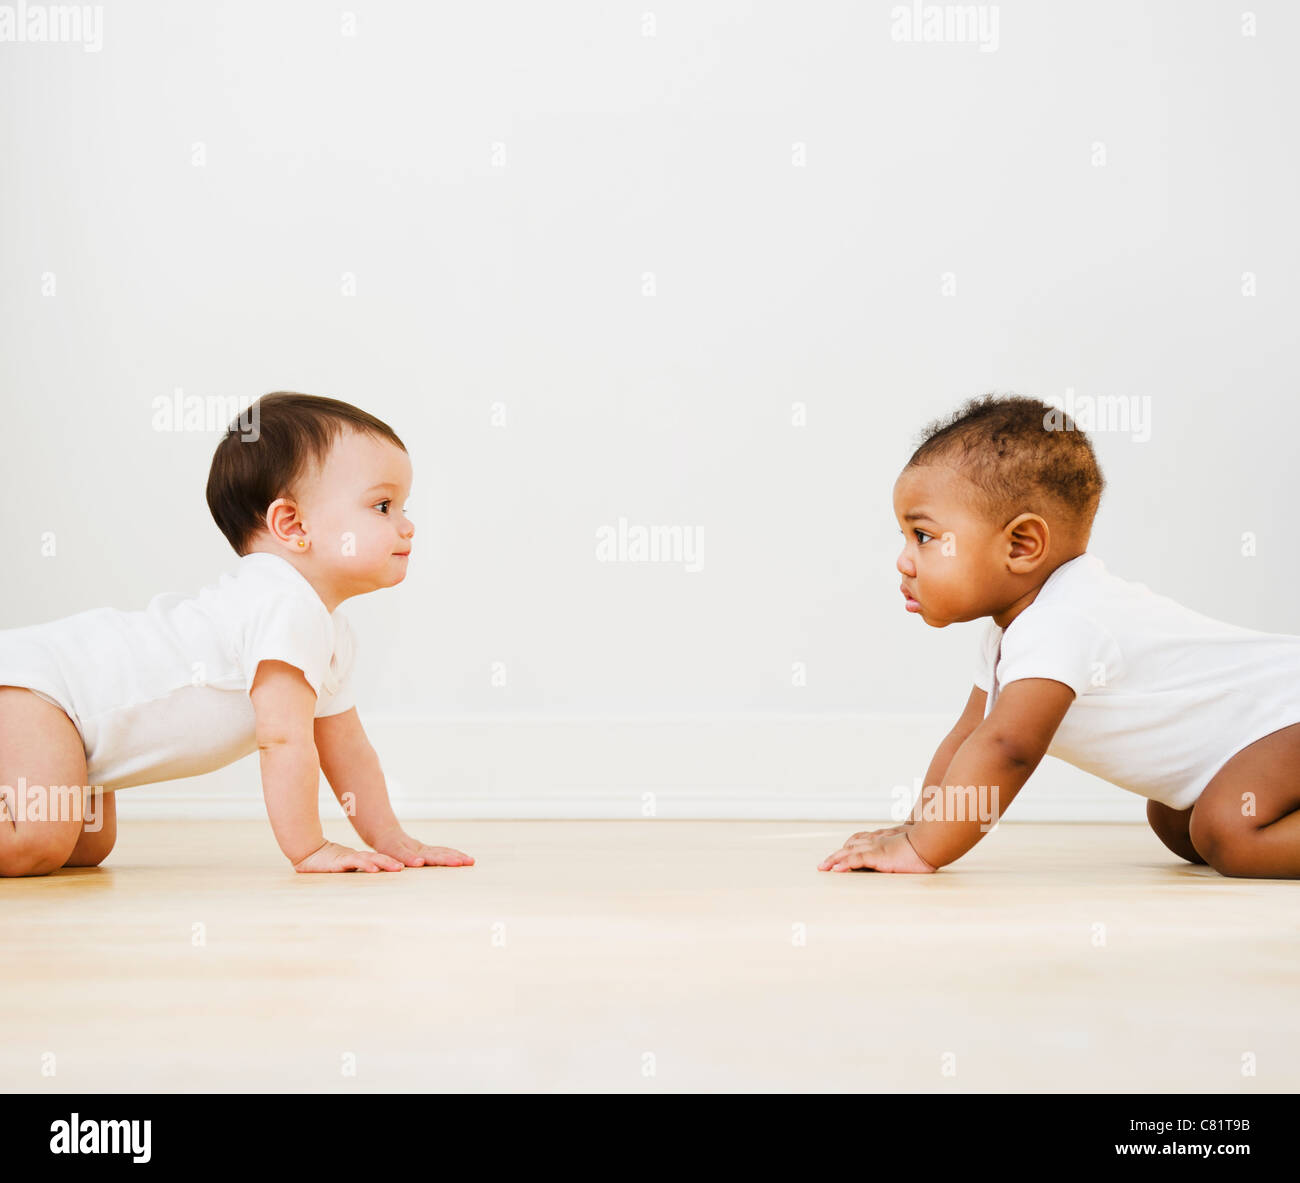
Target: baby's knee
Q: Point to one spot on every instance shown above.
(1172, 828)
(33, 852)
(1232, 862)
(98, 833)
(26, 858)
(90, 853)
(1223, 847)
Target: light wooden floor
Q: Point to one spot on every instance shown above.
(648, 956)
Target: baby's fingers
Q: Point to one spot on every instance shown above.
(854, 845)
(855, 861)
(831, 859)
(868, 834)
(445, 856)
(365, 860)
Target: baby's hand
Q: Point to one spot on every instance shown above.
(333, 857)
(414, 853)
(881, 850)
(862, 834)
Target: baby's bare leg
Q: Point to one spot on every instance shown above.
(41, 752)
(93, 845)
(1246, 823)
(1171, 826)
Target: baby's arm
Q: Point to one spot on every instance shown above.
(999, 753)
(352, 767)
(970, 719)
(998, 757)
(284, 704)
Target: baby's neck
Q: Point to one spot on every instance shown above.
(1004, 618)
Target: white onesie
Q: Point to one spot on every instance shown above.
(163, 693)
(1166, 696)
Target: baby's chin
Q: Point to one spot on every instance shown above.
(932, 620)
(375, 576)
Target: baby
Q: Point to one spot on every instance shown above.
(260, 661)
(1201, 718)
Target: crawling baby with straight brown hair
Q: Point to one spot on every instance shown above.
(310, 492)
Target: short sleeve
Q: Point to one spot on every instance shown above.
(290, 628)
(986, 656)
(338, 681)
(1062, 644)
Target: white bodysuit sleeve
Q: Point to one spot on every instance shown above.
(289, 628)
(345, 650)
(1062, 644)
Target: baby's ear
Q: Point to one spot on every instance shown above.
(284, 522)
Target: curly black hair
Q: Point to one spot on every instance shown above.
(1018, 452)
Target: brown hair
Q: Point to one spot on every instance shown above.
(252, 468)
(1018, 451)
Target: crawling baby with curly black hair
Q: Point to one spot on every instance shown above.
(1200, 717)
(310, 493)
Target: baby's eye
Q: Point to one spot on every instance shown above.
(920, 540)
(385, 503)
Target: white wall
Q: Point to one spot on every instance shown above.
(499, 178)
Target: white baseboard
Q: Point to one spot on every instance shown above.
(787, 767)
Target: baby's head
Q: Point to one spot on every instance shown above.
(995, 498)
(320, 483)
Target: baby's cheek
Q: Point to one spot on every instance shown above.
(358, 544)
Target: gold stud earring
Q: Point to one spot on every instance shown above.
(302, 542)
